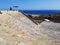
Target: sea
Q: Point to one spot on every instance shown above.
(41, 12)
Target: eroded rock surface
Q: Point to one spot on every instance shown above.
(17, 29)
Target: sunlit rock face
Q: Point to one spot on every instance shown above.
(17, 29)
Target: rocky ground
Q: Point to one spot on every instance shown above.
(52, 17)
(17, 29)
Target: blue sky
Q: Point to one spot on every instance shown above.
(31, 4)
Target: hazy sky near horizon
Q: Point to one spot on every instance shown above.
(31, 4)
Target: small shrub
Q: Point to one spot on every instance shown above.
(0, 12)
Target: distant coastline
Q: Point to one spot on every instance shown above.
(38, 12)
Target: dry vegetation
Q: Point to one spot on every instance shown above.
(51, 17)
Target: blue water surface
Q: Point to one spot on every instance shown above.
(41, 12)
